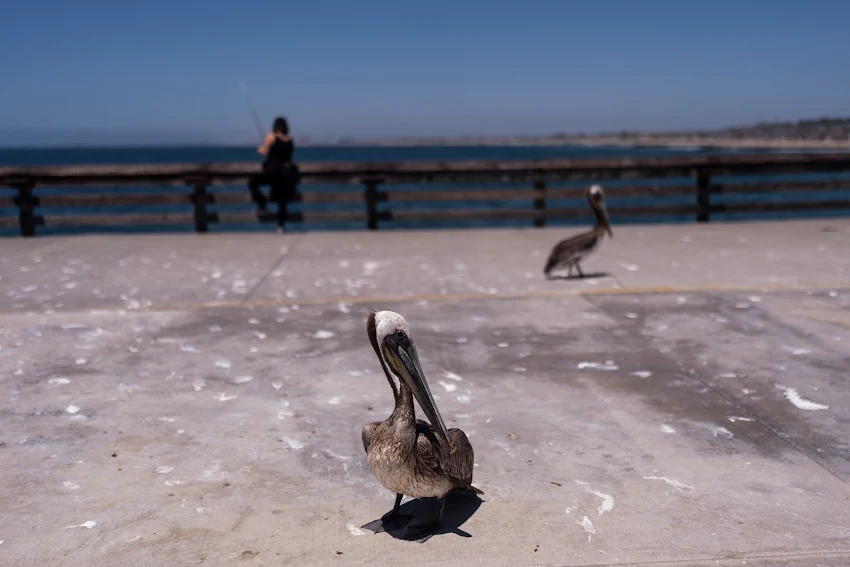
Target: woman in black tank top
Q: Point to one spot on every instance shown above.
(278, 172)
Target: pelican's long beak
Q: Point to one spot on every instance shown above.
(410, 371)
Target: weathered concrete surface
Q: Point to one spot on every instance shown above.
(672, 414)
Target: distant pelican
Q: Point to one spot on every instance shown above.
(570, 252)
(408, 455)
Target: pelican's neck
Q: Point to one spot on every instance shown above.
(404, 411)
(599, 227)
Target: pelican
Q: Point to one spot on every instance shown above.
(408, 455)
(571, 251)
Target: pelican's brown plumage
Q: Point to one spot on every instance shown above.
(571, 251)
(408, 455)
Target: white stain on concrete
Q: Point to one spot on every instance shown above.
(629, 267)
(449, 387)
(189, 348)
(88, 525)
(335, 401)
(794, 397)
(58, 381)
(81, 361)
(569, 510)
(260, 335)
(464, 399)
(323, 334)
(631, 315)
(71, 485)
(642, 373)
(164, 469)
(588, 527)
(354, 530)
(198, 385)
(721, 432)
(452, 376)
(242, 379)
(608, 365)
(222, 363)
(224, 397)
(72, 409)
(607, 500)
(293, 443)
(799, 351)
(734, 418)
(681, 487)
(667, 429)
(277, 385)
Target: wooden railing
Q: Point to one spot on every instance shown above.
(539, 196)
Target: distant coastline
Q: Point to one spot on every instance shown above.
(633, 141)
(820, 134)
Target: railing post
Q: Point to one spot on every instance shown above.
(26, 205)
(540, 203)
(371, 196)
(703, 196)
(199, 198)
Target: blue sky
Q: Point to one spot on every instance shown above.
(155, 71)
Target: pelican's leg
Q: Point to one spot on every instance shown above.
(391, 521)
(569, 270)
(578, 267)
(427, 529)
(394, 514)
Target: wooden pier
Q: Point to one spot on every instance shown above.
(202, 186)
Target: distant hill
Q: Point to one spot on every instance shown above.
(815, 129)
(820, 133)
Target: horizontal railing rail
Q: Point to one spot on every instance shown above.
(382, 202)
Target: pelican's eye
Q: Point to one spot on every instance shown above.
(400, 336)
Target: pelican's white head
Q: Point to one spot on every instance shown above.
(387, 323)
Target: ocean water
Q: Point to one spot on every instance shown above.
(211, 154)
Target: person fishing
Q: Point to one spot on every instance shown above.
(278, 172)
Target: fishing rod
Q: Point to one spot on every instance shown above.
(260, 130)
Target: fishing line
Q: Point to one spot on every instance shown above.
(259, 126)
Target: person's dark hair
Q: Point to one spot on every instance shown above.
(281, 126)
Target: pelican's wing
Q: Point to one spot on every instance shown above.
(431, 452)
(568, 248)
(368, 431)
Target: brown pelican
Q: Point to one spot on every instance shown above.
(408, 455)
(571, 251)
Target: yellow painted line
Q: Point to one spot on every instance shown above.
(478, 296)
(378, 300)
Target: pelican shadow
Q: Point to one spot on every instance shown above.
(460, 506)
(581, 277)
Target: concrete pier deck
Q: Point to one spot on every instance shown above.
(198, 399)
